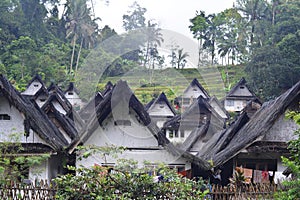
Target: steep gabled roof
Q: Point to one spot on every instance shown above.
(66, 123)
(218, 103)
(89, 108)
(196, 83)
(38, 78)
(53, 88)
(192, 112)
(121, 92)
(241, 83)
(161, 98)
(35, 118)
(42, 89)
(108, 87)
(54, 96)
(259, 124)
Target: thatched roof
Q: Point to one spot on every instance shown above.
(234, 141)
(64, 120)
(108, 87)
(220, 106)
(191, 116)
(162, 98)
(242, 83)
(196, 83)
(42, 89)
(89, 108)
(35, 118)
(122, 93)
(37, 78)
(71, 87)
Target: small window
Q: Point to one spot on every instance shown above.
(122, 123)
(70, 93)
(4, 117)
(171, 134)
(35, 85)
(161, 105)
(195, 89)
(242, 87)
(229, 103)
(42, 100)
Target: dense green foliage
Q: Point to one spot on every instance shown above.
(262, 35)
(53, 38)
(292, 187)
(14, 165)
(126, 180)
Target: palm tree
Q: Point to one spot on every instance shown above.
(80, 26)
(181, 58)
(154, 38)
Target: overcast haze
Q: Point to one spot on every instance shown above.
(171, 14)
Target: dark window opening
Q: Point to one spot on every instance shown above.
(122, 123)
(242, 87)
(4, 117)
(70, 93)
(36, 85)
(182, 133)
(176, 133)
(42, 100)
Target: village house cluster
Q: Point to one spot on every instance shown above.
(194, 134)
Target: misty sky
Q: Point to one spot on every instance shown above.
(171, 14)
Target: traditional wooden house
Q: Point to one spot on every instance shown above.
(256, 143)
(121, 120)
(72, 94)
(62, 116)
(238, 97)
(37, 134)
(160, 110)
(36, 90)
(191, 93)
(200, 113)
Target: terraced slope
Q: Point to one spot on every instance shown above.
(173, 82)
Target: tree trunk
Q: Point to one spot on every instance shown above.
(78, 56)
(73, 52)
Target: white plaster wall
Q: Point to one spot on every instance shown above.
(33, 88)
(194, 92)
(179, 139)
(160, 109)
(279, 177)
(237, 106)
(242, 91)
(74, 99)
(152, 156)
(135, 135)
(41, 100)
(15, 125)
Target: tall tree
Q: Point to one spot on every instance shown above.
(154, 38)
(198, 29)
(80, 26)
(178, 58)
(205, 29)
(135, 18)
(232, 37)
